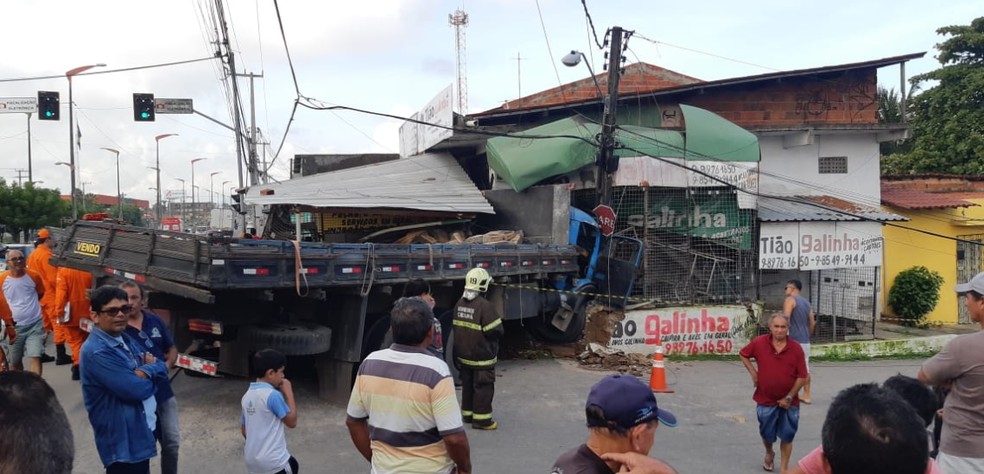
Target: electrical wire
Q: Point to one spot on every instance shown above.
(587, 15)
(546, 38)
(656, 42)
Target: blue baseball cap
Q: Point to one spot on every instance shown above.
(626, 402)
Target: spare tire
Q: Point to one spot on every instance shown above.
(290, 339)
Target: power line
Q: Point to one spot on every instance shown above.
(656, 42)
(591, 23)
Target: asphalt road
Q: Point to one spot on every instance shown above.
(539, 406)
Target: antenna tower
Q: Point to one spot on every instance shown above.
(459, 20)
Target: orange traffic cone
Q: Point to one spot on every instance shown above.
(657, 378)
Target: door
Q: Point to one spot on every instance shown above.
(969, 263)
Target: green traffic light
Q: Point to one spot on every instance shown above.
(144, 115)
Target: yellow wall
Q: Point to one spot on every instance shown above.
(905, 249)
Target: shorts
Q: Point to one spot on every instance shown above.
(777, 422)
(29, 342)
(948, 463)
(806, 355)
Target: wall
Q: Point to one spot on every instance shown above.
(689, 330)
(794, 171)
(906, 248)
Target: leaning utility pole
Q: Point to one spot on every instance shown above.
(607, 162)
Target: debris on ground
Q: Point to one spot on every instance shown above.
(593, 351)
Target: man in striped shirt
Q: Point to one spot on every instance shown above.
(403, 415)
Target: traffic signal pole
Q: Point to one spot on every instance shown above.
(607, 162)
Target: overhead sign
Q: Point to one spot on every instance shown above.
(437, 112)
(173, 106)
(22, 105)
(819, 245)
(606, 219)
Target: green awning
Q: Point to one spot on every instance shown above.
(522, 160)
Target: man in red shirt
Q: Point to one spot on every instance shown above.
(780, 375)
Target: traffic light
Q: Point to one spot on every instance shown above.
(237, 203)
(143, 107)
(48, 106)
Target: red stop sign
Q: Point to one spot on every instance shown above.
(606, 219)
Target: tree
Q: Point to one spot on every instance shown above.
(28, 207)
(914, 294)
(948, 118)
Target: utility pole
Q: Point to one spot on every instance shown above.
(254, 171)
(224, 42)
(20, 176)
(519, 76)
(607, 162)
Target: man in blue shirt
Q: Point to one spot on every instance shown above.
(149, 330)
(118, 383)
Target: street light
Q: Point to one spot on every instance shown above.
(119, 196)
(221, 187)
(193, 202)
(71, 130)
(211, 200)
(158, 139)
(182, 198)
(573, 58)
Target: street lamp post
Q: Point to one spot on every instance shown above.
(158, 139)
(71, 131)
(221, 188)
(211, 178)
(194, 204)
(119, 196)
(182, 199)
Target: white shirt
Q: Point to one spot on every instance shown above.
(22, 297)
(263, 408)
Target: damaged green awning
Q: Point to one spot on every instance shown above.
(522, 160)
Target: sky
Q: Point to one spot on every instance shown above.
(389, 56)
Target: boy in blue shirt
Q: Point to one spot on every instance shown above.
(267, 406)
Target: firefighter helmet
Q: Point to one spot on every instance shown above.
(477, 279)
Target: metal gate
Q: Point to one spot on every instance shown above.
(845, 301)
(969, 263)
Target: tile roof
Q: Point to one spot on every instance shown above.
(913, 199)
(818, 208)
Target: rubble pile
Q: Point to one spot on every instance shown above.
(593, 351)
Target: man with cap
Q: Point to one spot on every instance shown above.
(960, 365)
(622, 417)
(778, 379)
(39, 262)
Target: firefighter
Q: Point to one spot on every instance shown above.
(38, 261)
(477, 327)
(72, 287)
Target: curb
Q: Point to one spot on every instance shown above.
(881, 348)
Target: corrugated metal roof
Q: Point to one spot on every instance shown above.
(818, 208)
(913, 199)
(430, 182)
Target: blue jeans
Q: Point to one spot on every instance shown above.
(169, 435)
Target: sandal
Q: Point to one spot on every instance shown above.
(769, 463)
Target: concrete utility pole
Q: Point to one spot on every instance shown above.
(607, 162)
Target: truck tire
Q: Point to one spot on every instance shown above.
(290, 339)
(542, 329)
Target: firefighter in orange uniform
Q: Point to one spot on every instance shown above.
(72, 287)
(38, 261)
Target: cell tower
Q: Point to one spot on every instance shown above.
(459, 20)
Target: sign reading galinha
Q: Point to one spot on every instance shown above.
(714, 216)
(88, 248)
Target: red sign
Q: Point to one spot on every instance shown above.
(606, 219)
(172, 224)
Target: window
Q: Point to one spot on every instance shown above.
(833, 165)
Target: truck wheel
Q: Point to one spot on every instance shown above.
(542, 328)
(375, 338)
(290, 339)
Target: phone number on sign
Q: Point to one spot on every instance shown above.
(720, 346)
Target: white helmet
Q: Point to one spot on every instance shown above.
(477, 279)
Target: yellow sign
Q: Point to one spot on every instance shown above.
(334, 223)
(88, 248)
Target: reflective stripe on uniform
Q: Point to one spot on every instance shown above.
(478, 363)
(481, 416)
(466, 324)
(466, 413)
(492, 325)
